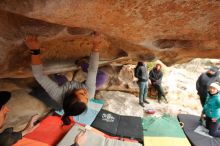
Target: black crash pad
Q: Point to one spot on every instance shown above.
(107, 122)
(191, 122)
(118, 125)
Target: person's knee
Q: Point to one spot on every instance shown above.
(214, 133)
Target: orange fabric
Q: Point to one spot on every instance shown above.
(29, 142)
(35, 59)
(50, 130)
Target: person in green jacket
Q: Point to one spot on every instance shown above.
(211, 110)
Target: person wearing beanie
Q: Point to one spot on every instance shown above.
(211, 110)
(203, 82)
(8, 137)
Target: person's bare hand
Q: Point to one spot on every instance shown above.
(32, 42)
(81, 138)
(97, 39)
(214, 120)
(30, 126)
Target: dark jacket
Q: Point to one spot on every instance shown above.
(141, 73)
(204, 81)
(155, 76)
(75, 144)
(8, 137)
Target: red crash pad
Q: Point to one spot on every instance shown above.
(29, 142)
(50, 131)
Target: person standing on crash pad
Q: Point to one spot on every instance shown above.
(203, 82)
(212, 110)
(8, 137)
(156, 76)
(72, 96)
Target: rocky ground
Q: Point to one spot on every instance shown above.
(178, 82)
(120, 93)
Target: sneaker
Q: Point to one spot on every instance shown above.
(141, 104)
(166, 102)
(145, 101)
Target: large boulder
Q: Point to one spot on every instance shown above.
(172, 31)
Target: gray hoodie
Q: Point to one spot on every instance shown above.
(141, 73)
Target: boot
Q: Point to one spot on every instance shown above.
(141, 104)
(145, 101)
(165, 99)
(159, 99)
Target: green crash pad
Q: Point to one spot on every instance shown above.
(163, 131)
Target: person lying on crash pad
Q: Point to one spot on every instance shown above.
(211, 110)
(73, 96)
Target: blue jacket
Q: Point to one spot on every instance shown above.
(212, 106)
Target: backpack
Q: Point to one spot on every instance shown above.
(136, 71)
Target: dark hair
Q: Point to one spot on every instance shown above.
(140, 63)
(72, 106)
(4, 98)
(158, 65)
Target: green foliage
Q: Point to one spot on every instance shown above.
(150, 65)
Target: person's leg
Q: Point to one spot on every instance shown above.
(202, 99)
(160, 90)
(157, 87)
(141, 93)
(214, 129)
(145, 93)
(208, 121)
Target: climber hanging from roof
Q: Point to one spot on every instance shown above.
(73, 96)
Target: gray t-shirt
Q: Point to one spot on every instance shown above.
(57, 92)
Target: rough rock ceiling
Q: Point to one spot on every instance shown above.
(173, 31)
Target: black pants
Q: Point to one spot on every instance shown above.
(159, 89)
(202, 99)
(214, 127)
